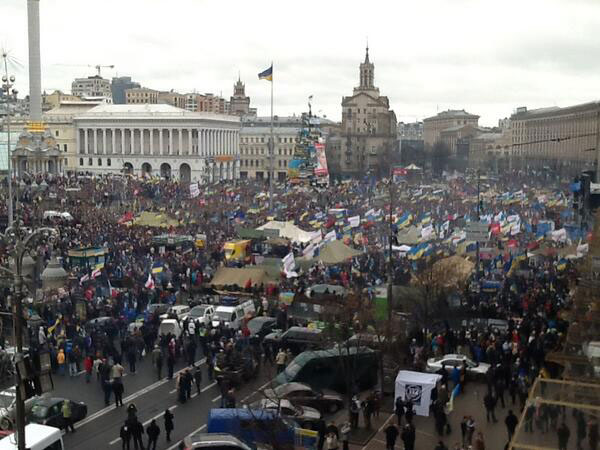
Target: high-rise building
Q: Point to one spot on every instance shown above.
(119, 86)
(240, 102)
(94, 87)
(368, 130)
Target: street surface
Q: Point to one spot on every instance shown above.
(100, 429)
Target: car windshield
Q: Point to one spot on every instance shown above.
(197, 311)
(222, 315)
(255, 325)
(39, 411)
(292, 370)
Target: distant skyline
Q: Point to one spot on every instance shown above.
(485, 57)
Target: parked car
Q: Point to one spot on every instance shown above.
(170, 326)
(303, 395)
(260, 326)
(306, 416)
(221, 441)
(474, 370)
(297, 339)
(178, 312)
(48, 411)
(202, 313)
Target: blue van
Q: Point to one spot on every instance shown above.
(253, 426)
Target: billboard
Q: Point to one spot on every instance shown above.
(321, 166)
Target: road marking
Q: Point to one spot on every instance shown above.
(131, 397)
(201, 390)
(216, 398)
(256, 391)
(202, 428)
(171, 408)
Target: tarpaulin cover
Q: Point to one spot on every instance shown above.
(416, 387)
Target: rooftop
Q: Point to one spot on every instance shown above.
(453, 113)
(148, 111)
(553, 111)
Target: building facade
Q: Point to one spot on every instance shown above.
(446, 120)
(558, 138)
(118, 87)
(368, 129)
(172, 98)
(239, 103)
(51, 101)
(141, 96)
(158, 140)
(254, 146)
(94, 87)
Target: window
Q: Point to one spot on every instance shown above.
(99, 161)
(108, 162)
(81, 161)
(65, 147)
(56, 133)
(90, 162)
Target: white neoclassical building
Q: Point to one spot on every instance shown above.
(159, 140)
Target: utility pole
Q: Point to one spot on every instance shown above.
(271, 152)
(598, 145)
(390, 268)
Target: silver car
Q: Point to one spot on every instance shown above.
(474, 370)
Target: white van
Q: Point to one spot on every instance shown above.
(170, 326)
(37, 437)
(232, 315)
(179, 310)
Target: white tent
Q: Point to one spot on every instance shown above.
(290, 231)
(416, 387)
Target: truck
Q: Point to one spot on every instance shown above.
(237, 250)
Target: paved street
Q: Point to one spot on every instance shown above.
(100, 429)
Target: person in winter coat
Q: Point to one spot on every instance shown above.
(137, 431)
(563, 434)
(169, 425)
(511, 422)
(408, 437)
(391, 434)
(88, 366)
(157, 360)
(60, 359)
(198, 378)
(67, 416)
(153, 431)
(118, 390)
(125, 435)
(489, 401)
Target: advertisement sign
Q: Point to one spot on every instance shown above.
(321, 168)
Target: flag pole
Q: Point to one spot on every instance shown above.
(271, 149)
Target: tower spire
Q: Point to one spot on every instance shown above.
(367, 53)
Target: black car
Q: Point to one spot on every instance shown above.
(303, 395)
(48, 411)
(297, 339)
(261, 326)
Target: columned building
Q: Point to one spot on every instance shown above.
(158, 140)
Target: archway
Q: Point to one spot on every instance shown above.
(165, 170)
(146, 169)
(128, 168)
(185, 173)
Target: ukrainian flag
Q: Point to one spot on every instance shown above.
(562, 265)
(266, 74)
(404, 220)
(426, 219)
(157, 267)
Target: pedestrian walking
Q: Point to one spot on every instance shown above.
(470, 429)
(157, 361)
(131, 358)
(345, 434)
(60, 359)
(67, 416)
(88, 366)
(169, 425)
(511, 422)
(408, 437)
(107, 388)
(593, 433)
(118, 390)
(137, 431)
(125, 435)
(463, 431)
(198, 379)
(581, 428)
(280, 360)
(153, 431)
(399, 410)
(354, 412)
(170, 365)
(563, 434)
(391, 434)
(489, 401)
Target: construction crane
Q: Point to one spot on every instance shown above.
(98, 67)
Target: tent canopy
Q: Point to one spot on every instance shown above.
(412, 167)
(226, 276)
(336, 252)
(155, 220)
(289, 230)
(410, 236)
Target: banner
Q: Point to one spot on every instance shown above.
(194, 190)
(354, 221)
(321, 167)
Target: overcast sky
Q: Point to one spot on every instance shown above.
(485, 56)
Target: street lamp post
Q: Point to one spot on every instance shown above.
(10, 94)
(23, 244)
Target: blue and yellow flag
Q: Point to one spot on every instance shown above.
(266, 74)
